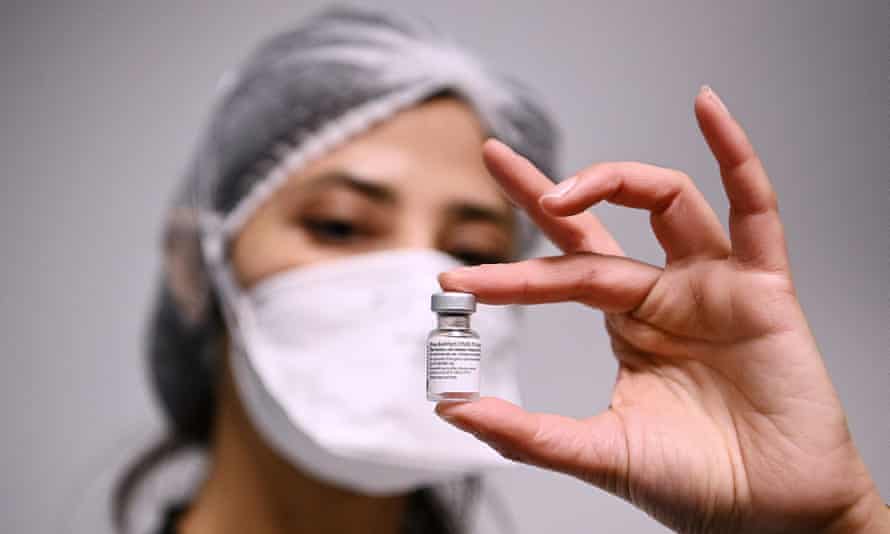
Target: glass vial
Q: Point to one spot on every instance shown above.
(453, 350)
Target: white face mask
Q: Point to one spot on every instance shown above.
(330, 364)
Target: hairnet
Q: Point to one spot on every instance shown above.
(298, 96)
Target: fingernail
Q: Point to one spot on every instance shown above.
(561, 188)
(712, 94)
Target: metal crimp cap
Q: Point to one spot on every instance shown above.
(452, 301)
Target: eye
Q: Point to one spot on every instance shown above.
(332, 229)
(473, 257)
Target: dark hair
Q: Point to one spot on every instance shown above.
(184, 382)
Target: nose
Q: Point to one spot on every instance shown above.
(417, 234)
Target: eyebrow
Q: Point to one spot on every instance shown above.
(461, 211)
(377, 192)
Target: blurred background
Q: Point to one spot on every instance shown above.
(101, 103)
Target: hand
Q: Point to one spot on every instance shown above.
(723, 417)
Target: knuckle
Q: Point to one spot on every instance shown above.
(680, 176)
(593, 169)
(577, 241)
(610, 173)
(539, 436)
(587, 280)
(680, 182)
(591, 278)
(771, 201)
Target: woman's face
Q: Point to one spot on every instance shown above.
(414, 181)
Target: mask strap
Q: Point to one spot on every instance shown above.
(213, 245)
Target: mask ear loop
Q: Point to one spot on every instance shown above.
(214, 243)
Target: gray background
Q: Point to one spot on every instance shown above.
(100, 104)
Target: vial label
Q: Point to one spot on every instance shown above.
(452, 364)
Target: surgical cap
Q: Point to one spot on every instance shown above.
(301, 94)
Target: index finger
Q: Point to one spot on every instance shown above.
(525, 184)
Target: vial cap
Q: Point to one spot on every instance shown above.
(453, 301)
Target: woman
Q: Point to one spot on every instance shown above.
(340, 173)
(344, 165)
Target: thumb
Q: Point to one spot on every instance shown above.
(592, 449)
